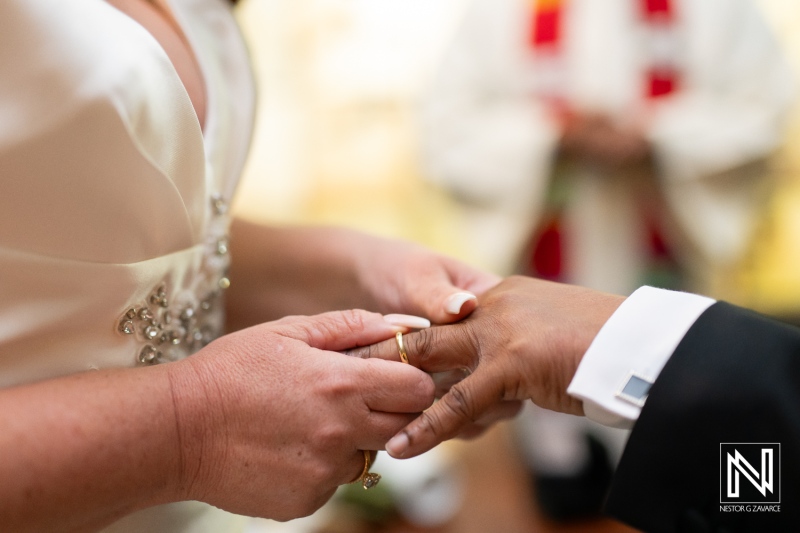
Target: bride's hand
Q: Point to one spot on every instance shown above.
(524, 342)
(278, 271)
(404, 277)
(272, 418)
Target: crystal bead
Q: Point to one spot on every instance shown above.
(222, 246)
(219, 205)
(151, 332)
(370, 480)
(149, 355)
(127, 327)
(208, 302)
(171, 337)
(159, 296)
(168, 334)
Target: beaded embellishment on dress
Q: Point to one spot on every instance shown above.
(174, 322)
(169, 332)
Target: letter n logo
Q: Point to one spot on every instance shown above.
(750, 472)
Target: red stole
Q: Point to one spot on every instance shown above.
(660, 79)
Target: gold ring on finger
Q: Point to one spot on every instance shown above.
(401, 347)
(367, 479)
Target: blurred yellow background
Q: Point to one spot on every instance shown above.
(336, 144)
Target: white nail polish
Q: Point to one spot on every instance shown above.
(456, 301)
(408, 321)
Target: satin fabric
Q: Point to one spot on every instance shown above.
(108, 187)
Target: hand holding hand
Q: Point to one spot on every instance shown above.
(524, 342)
(272, 419)
(595, 139)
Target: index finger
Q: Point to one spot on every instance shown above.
(337, 330)
(435, 349)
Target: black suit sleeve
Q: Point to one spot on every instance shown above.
(734, 378)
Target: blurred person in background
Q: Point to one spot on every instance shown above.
(609, 144)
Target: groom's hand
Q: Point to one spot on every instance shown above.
(524, 341)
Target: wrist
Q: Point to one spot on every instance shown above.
(197, 427)
(366, 255)
(599, 309)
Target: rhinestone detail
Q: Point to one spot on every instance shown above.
(149, 355)
(169, 332)
(174, 323)
(371, 479)
(222, 246)
(218, 205)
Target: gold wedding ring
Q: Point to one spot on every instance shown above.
(401, 347)
(367, 479)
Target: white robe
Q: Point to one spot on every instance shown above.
(487, 139)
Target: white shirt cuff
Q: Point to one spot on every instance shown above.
(636, 341)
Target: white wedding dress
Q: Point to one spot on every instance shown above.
(113, 201)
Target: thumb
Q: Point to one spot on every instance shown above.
(342, 330)
(460, 408)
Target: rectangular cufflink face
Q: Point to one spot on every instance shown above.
(634, 389)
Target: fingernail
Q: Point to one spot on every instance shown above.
(456, 301)
(408, 321)
(398, 445)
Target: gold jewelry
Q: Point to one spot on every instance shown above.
(367, 479)
(401, 347)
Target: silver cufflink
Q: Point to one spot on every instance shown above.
(634, 389)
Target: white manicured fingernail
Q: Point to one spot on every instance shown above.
(408, 321)
(456, 301)
(398, 445)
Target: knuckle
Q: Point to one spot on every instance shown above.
(422, 345)
(426, 424)
(459, 402)
(328, 430)
(329, 436)
(474, 346)
(325, 472)
(353, 319)
(430, 428)
(337, 385)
